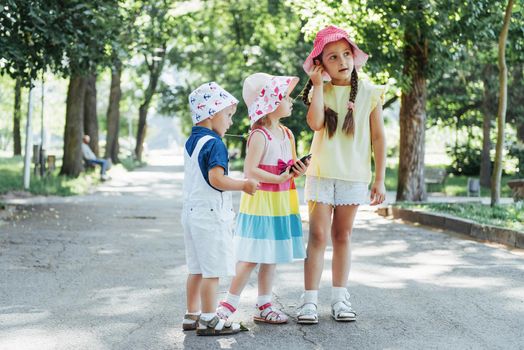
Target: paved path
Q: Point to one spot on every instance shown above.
(106, 271)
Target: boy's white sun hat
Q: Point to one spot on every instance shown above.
(209, 99)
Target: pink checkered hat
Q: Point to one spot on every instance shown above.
(329, 35)
(262, 93)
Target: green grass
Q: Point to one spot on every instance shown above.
(11, 179)
(453, 185)
(508, 215)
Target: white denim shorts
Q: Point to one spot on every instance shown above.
(208, 238)
(335, 192)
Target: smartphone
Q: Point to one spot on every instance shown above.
(303, 159)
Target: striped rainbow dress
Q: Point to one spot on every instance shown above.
(269, 228)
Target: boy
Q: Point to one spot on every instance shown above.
(207, 216)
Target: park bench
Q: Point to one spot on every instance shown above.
(434, 178)
(473, 187)
(517, 189)
(44, 163)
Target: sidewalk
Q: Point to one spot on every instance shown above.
(107, 271)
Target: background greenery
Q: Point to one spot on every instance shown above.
(164, 49)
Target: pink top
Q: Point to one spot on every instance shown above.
(277, 147)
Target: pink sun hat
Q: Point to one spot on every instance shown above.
(328, 35)
(263, 92)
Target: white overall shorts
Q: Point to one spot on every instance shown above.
(207, 219)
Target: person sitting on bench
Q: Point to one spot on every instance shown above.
(91, 159)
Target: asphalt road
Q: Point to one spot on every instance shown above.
(107, 271)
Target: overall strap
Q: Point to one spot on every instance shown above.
(199, 146)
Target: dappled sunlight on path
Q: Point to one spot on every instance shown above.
(107, 271)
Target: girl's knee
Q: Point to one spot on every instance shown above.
(317, 239)
(342, 237)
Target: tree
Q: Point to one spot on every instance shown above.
(413, 108)
(501, 114)
(17, 112)
(412, 41)
(120, 52)
(72, 160)
(88, 27)
(113, 114)
(465, 95)
(67, 37)
(155, 26)
(90, 115)
(28, 40)
(225, 43)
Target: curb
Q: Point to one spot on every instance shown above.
(473, 229)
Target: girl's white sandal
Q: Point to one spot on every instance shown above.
(307, 314)
(342, 311)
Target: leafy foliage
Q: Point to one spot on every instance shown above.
(66, 36)
(225, 43)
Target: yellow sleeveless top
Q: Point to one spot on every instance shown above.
(346, 157)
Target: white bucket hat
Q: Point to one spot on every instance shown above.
(262, 93)
(209, 99)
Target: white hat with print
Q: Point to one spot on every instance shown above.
(209, 99)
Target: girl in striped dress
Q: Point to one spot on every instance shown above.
(269, 229)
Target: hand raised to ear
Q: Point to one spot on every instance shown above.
(315, 74)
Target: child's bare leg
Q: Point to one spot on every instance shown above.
(267, 312)
(243, 271)
(208, 293)
(209, 322)
(266, 276)
(193, 293)
(319, 228)
(343, 219)
(229, 306)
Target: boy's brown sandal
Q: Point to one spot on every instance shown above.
(216, 326)
(189, 323)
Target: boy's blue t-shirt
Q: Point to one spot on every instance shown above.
(213, 153)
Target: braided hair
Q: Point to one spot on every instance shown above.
(349, 121)
(330, 116)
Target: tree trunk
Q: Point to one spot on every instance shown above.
(17, 113)
(90, 117)
(412, 120)
(485, 164)
(520, 132)
(141, 131)
(72, 163)
(501, 114)
(113, 116)
(155, 69)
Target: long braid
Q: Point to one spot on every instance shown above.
(330, 116)
(330, 121)
(305, 93)
(349, 122)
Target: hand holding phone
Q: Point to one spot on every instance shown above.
(303, 160)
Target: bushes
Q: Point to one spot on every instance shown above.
(516, 150)
(465, 159)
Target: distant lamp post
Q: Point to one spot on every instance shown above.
(28, 139)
